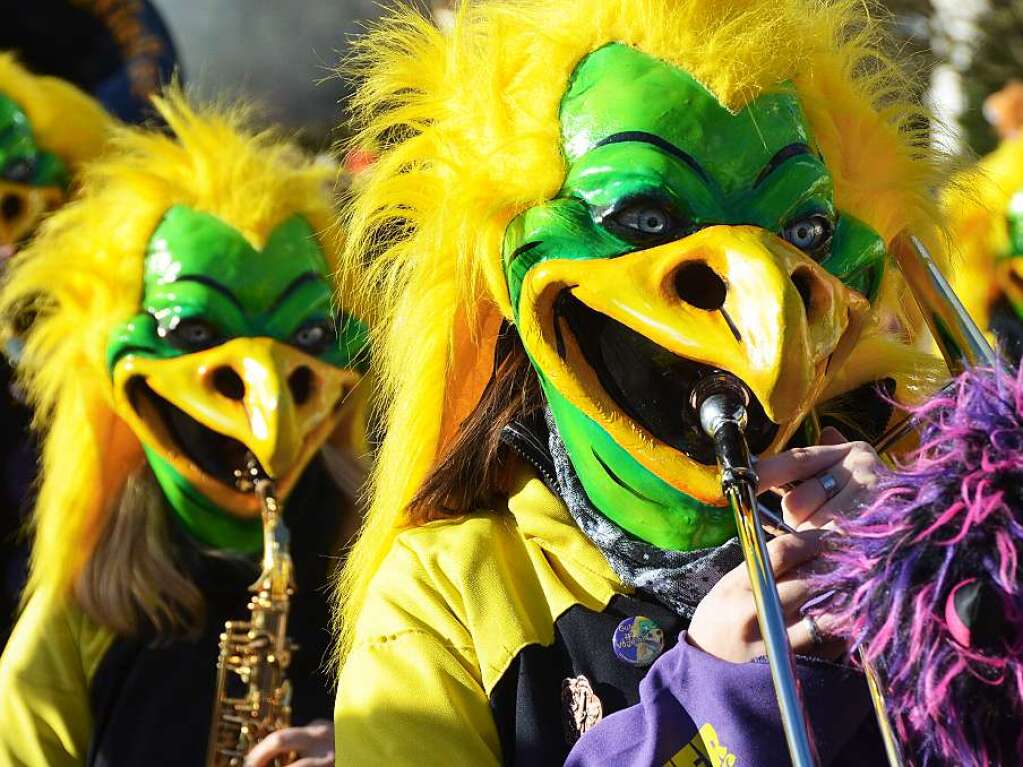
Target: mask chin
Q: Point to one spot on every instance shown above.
(635, 499)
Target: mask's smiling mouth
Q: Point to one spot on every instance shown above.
(650, 384)
(222, 458)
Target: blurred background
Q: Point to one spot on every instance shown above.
(971, 48)
(283, 53)
(278, 52)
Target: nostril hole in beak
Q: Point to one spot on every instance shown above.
(700, 286)
(11, 207)
(228, 383)
(301, 384)
(804, 285)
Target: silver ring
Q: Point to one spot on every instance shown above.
(814, 631)
(829, 484)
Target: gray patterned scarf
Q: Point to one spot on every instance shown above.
(679, 579)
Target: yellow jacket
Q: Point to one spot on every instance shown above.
(45, 675)
(452, 606)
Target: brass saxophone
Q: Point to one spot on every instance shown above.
(253, 697)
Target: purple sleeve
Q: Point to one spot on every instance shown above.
(697, 710)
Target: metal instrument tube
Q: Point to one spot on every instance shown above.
(892, 747)
(961, 342)
(255, 654)
(722, 408)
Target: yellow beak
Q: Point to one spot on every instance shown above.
(22, 207)
(738, 299)
(278, 402)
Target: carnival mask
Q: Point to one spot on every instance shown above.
(32, 181)
(687, 239)
(237, 352)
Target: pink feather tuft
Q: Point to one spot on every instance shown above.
(925, 578)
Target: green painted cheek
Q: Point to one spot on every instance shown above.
(1014, 243)
(21, 159)
(635, 499)
(353, 345)
(51, 171)
(560, 229)
(200, 518)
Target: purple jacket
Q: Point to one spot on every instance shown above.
(696, 710)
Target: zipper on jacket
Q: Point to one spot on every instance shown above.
(530, 448)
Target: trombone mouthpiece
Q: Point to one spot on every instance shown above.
(719, 399)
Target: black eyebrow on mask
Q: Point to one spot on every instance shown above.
(294, 285)
(524, 248)
(654, 140)
(211, 283)
(783, 154)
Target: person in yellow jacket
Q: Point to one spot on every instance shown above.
(579, 212)
(48, 130)
(184, 332)
(984, 205)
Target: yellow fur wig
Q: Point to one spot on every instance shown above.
(65, 121)
(976, 205)
(83, 272)
(466, 122)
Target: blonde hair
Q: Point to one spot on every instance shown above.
(467, 126)
(131, 576)
(82, 276)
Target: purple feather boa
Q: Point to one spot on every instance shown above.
(949, 516)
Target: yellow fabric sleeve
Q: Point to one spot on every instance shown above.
(45, 672)
(409, 701)
(452, 604)
(410, 691)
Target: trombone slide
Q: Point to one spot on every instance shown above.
(722, 408)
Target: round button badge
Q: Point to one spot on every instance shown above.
(638, 641)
